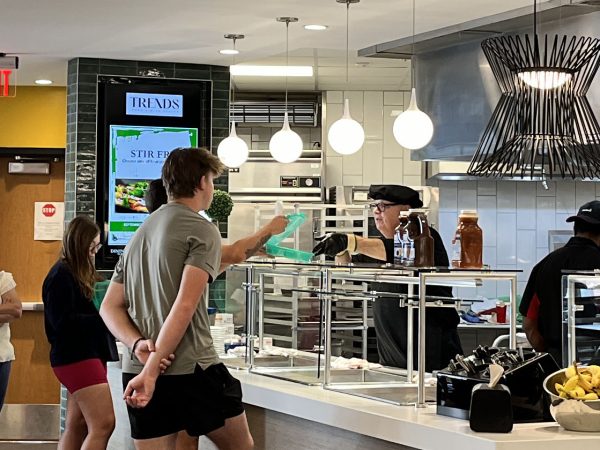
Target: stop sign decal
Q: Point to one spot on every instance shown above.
(48, 210)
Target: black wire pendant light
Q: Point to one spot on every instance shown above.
(543, 125)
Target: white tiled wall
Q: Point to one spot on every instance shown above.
(515, 218)
(381, 159)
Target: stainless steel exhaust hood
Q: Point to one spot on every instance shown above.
(455, 83)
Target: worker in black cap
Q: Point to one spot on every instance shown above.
(390, 320)
(542, 303)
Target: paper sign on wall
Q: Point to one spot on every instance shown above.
(49, 219)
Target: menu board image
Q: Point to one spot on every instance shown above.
(129, 196)
(137, 154)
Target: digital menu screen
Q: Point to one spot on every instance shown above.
(140, 121)
(136, 158)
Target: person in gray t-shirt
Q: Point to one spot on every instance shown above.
(157, 293)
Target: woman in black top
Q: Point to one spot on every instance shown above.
(80, 343)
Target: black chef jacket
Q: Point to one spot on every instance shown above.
(542, 299)
(442, 341)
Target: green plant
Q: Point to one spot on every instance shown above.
(221, 206)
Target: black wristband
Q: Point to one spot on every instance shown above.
(135, 345)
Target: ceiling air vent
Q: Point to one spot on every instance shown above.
(300, 113)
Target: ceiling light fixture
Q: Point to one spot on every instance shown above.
(346, 136)
(413, 129)
(272, 71)
(232, 51)
(543, 126)
(285, 145)
(232, 151)
(315, 27)
(43, 82)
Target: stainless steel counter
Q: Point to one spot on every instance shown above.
(29, 427)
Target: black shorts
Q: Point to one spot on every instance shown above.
(198, 403)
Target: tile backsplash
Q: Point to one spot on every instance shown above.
(515, 217)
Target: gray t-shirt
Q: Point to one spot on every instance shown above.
(151, 270)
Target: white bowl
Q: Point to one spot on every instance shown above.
(571, 414)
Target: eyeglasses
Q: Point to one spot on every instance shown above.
(381, 207)
(95, 248)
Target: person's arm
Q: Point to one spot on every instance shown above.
(115, 316)
(372, 247)
(140, 389)
(529, 309)
(244, 248)
(10, 307)
(530, 327)
(113, 311)
(342, 246)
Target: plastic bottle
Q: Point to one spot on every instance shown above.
(471, 240)
(400, 237)
(456, 247)
(418, 230)
(278, 208)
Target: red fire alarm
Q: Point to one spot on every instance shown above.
(8, 75)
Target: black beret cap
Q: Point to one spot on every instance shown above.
(395, 193)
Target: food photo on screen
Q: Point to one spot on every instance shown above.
(129, 196)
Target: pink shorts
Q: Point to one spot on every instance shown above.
(81, 374)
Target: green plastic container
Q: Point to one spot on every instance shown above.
(274, 249)
(298, 255)
(294, 221)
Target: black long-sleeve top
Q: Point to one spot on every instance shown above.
(74, 327)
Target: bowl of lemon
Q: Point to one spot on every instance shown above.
(575, 396)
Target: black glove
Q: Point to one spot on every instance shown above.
(331, 244)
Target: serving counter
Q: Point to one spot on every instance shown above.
(406, 426)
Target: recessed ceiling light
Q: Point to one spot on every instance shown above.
(229, 51)
(315, 27)
(43, 82)
(271, 71)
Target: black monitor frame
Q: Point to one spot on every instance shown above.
(197, 113)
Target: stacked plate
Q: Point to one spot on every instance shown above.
(218, 335)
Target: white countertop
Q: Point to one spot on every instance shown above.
(419, 428)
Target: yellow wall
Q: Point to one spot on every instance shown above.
(36, 117)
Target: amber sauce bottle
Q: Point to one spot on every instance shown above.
(418, 231)
(471, 240)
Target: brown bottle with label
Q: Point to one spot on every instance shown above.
(471, 240)
(418, 231)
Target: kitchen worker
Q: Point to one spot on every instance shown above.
(442, 343)
(542, 302)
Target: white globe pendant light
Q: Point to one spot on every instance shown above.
(413, 129)
(286, 145)
(233, 151)
(346, 136)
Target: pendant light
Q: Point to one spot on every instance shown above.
(413, 129)
(232, 151)
(285, 145)
(543, 125)
(542, 77)
(346, 136)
